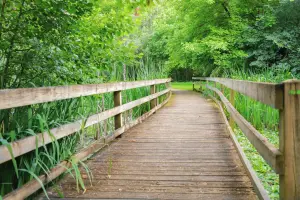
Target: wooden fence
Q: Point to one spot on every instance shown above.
(12, 98)
(285, 97)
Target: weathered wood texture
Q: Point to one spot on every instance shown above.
(267, 93)
(181, 152)
(29, 143)
(11, 98)
(232, 101)
(118, 102)
(34, 185)
(266, 149)
(258, 187)
(154, 101)
(290, 141)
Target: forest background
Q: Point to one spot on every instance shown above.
(64, 42)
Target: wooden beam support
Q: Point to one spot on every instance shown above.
(118, 102)
(232, 101)
(154, 101)
(168, 86)
(215, 85)
(222, 89)
(290, 141)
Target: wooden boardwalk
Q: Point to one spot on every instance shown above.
(181, 152)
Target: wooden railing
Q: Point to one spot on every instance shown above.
(285, 97)
(27, 96)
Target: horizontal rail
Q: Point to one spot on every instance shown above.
(267, 93)
(34, 185)
(11, 98)
(258, 186)
(267, 150)
(28, 144)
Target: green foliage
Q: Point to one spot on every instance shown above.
(265, 173)
(212, 37)
(55, 42)
(47, 43)
(263, 118)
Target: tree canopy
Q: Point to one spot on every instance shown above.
(214, 37)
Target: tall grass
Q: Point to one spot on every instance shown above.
(264, 118)
(26, 121)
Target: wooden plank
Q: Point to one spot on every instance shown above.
(34, 185)
(117, 103)
(11, 98)
(164, 169)
(267, 150)
(267, 93)
(166, 189)
(161, 195)
(259, 188)
(178, 184)
(141, 168)
(154, 101)
(290, 141)
(28, 144)
(232, 101)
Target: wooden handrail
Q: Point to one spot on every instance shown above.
(258, 186)
(286, 98)
(267, 93)
(27, 96)
(29, 143)
(11, 98)
(34, 185)
(267, 150)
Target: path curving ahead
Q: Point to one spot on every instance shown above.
(181, 152)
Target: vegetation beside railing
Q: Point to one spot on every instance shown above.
(50, 152)
(276, 95)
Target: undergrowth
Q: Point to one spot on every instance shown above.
(18, 123)
(264, 118)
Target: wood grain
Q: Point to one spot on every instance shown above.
(28, 144)
(169, 156)
(258, 186)
(117, 103)
(267, 93)
(290, 141)
(11, 98)
(34, 185)
(267, 150)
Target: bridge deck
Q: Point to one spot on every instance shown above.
(181, 152)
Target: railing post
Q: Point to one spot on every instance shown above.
(193, 86)
(153, 102)
(215, 86)
(222, 89)
(290, 141)
(118, 102)
(168, 85)
(232, 101)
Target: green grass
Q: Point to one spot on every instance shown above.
(25, 121)
(264, 118)
(268, 177)
(182, 85)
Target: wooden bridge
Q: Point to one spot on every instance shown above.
(185, 150)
